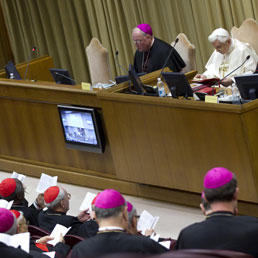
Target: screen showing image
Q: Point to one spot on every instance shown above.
(81, 128)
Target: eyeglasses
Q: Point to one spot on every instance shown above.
(69, 196)
(139, 41)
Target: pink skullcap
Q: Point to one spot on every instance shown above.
(51, 193)
(217, 177)
(129, 207)
(6, 220)
(108, 199)
(145, 28)
(7, 187)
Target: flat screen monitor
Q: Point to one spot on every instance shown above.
(61, 76)
(11, 69)
(177, 84)
(82, 128)
(247, 86)
(139, 87)
(125, 78)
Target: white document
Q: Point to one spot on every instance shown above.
(22, 240)
(146, 221)
(5, 204)
(58, 229)
(155, 237)
(50, 254)
(21, 177)
(86, 204)
(166, 244)
(45, 182)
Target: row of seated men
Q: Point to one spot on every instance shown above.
(112, 228)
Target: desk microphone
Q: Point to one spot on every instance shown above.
(217, 82)
(172, 49)
(64, 76)
(117, 63)
(33, 49)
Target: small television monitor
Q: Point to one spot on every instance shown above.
(177, 84)
(247, 86)
(139, 87)
(11, 69)
(62, 76)
(82, 128)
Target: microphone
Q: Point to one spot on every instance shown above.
(64, 76)
(217, 82)
(118, 64)
(172, 49)
(33, 49)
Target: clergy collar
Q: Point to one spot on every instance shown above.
(52, 212)
(110, 228)
(221, 213)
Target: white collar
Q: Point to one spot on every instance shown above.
(110, 228)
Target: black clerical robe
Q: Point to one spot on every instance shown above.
(222, 230)
(156, 58)
(109, 242)
(49, 218)
(30, 214)
(11, 252)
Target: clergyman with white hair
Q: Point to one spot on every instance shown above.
(229, 53)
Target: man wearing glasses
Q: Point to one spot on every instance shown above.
(57, 203)
(152, 53)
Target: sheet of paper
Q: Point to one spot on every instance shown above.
(86, 203)
(146, 221)
(58, 229)
(21, 177)
(5, 204)
(22, 240)
(45, 182)
(166, 244)
(211, 99)
(50, 254)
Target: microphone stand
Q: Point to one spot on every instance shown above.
(32, 50)
(62, 75)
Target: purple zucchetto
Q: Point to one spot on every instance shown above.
(6, 220)
(217, 177)
(109, 199)
(146, 28)
(129, 206)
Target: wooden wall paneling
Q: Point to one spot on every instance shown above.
(174, 146)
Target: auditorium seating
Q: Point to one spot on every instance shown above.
(187, 51)
(98, 62)
(247, 32)
(36, 231)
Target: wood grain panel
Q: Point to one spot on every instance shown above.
(158, 143)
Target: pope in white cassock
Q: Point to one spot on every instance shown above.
(229, 53)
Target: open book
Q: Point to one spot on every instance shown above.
(146, 221)
(22, 240)
(45, 182)
(21, 177)
(58, 229)
(86, 204)
(207, 82)
(5, 204)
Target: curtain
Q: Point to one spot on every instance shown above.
(5, 48)
(63, 28)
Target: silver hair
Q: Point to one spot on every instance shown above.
(137, 29)
(108, 213)
(56, 202)
(131, 215)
